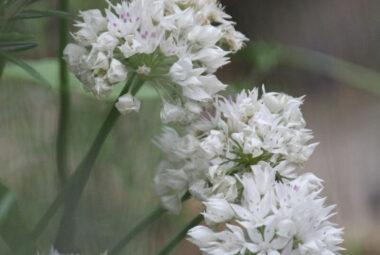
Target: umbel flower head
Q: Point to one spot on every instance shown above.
(272, 218)
(175, 45)
(234, 137)
(239, 160)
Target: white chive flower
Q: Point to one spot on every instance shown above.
(266, 135)
(174, 45)
(288, 219)
(128, 103)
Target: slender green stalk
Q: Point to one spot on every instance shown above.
(181, 234)
(140, 226)
(73, 180)
(64, 98)
(65, 236)
(2, 66)
(45, 219)
(53, 208)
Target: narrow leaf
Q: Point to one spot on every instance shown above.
(24, 66)
(12, 226)
(8, 37)
(35, 14)
(17, 46)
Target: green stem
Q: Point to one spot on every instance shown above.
(173, 242)
(65, 236)
(64, 93)
(2, 66)
(45, 219)
(141, 225)
(70, 184)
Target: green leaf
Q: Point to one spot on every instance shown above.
(12, 226)
(17, 46)
(35, 14)
(8, 37)
(24, 66)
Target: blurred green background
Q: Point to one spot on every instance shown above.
(342, 108)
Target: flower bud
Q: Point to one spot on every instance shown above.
(218, 210)
(73, 53)
(117, 72)
(127, 103)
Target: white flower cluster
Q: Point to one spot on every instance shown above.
(237, 157)
(227, 142)
(239, 160)
(272, 218)
(177, 45)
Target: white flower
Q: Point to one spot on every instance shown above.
(212, 57)
(106, 42)
(214, 143)
(85, 36)
(229, 242)
(307, 183)
(237, 137)
(183, 70)
(171, 113)
(94, 19)
(255, 207)
(130, 48)
(127, 103)
(99, 61)
(171, 185)
(101, 87)
(175, 45)
(265, 243)
(199, 190)
(73, 54)
(288, 222)
(218, 210)
(201, 236)
(234, 38)
(176, 147)
(117, 72)
(206, 35)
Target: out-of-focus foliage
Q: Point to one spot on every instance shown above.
(12, 12)
(12, 225)
(265, 57)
